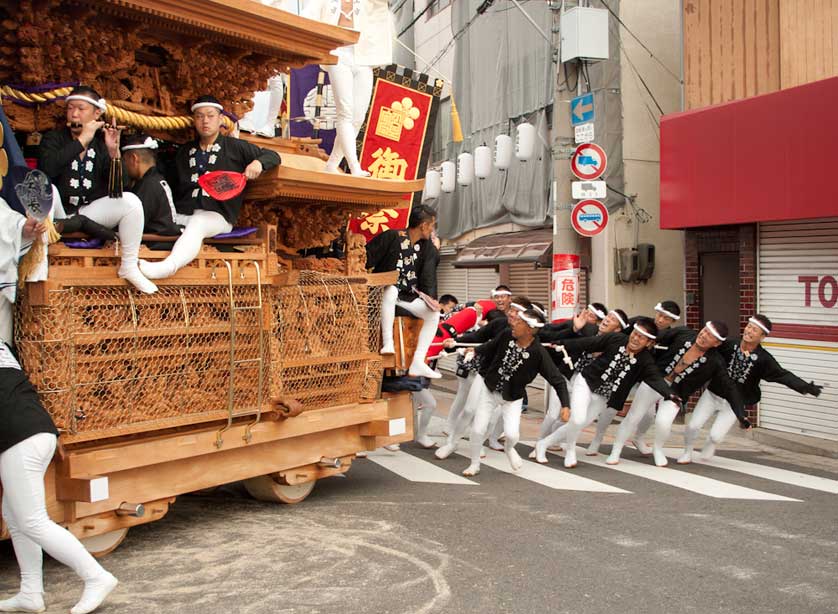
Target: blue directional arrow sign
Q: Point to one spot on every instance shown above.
(582, 109)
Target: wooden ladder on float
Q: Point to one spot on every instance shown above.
(234, 363)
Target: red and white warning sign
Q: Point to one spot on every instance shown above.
(588, 161)
(589, 218)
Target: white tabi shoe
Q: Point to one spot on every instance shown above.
(387, 349)
(514, 458)
(393, 447)
(423, 370)
(471, 470)
(570, 459)
(709, 451)
(24, 602)
(95, 592)
(613, 459)
(134, 276)
(426, 442)
(660, 458)
(686, 458)
(445, 451)
(642, 447)
(540, 452)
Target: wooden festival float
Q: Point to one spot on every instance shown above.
(164, 394)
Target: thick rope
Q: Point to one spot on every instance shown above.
(124, 117)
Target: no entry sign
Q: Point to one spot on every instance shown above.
(589, 218)
(588, 161)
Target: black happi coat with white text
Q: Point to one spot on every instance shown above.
(391, 251)
(507, 368)
(158, 206)
(747, 371)
(79, 181)
(225, 154)
(482, 335)
(558, 333)
(614, 372)
(709, 368)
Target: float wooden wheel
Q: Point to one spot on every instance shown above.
(266, 488)
(100, 545)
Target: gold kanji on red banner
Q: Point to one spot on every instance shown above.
(379, 222)
(388, 164)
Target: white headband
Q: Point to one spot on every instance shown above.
(643, 332)
(596, 312)
(756, 322)
(214, 105)
(617, 315)
(99, 104)
(660, 308)
(539, 310)
(149, 143)
(501, 293)
(713, 330)
(517, 306)
(532, 322)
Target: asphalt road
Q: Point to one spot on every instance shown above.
(377, 542)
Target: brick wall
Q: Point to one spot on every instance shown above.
(740, 239)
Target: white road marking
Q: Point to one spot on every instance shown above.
(680, 479)
(415, 469)
(795, 478)
(556, 479)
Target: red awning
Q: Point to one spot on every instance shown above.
(768, 158)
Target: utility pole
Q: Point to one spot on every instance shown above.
(566, 259)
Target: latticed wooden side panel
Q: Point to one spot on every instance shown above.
(109, 361)
(325, 341)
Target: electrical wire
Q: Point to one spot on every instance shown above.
(454, 39)
(415, 19)
(639, 76)
(640, 42)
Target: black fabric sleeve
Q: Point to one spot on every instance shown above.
(598, 343)
(556, 332)
(55, 155)
(250, 152)
(773, 372)
(490, 347)
(378, 248)
(484, 333)
(553, 376)
(427, 276)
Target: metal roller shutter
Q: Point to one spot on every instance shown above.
(804, 342)
(531, 282)
(481, 282)
(451, 280)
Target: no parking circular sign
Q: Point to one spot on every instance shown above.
(589, 218)
(588, 161)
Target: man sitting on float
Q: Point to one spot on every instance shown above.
(78, 159)
(204, 216)
(411, 253)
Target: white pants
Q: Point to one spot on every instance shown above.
(642, 407)
(468, 406)
(585, 406)
(22, 469)
(352, 88)
(126, 215)
(490, 404)
(424, 404)
(199, 226)
(419, 308)
(708, 405)
(667, 412)
(458, 405)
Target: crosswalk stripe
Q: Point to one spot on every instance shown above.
(415, 469)
(795, 478)
(546, 476)
(681, 479)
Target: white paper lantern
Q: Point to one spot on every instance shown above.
(449, 176)
(465, 169)
(433, 184)
(482, 162)
(503, 151)
(525, 141)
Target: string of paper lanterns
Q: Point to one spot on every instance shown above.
(480, 163)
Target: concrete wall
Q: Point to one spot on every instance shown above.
(657, 24)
